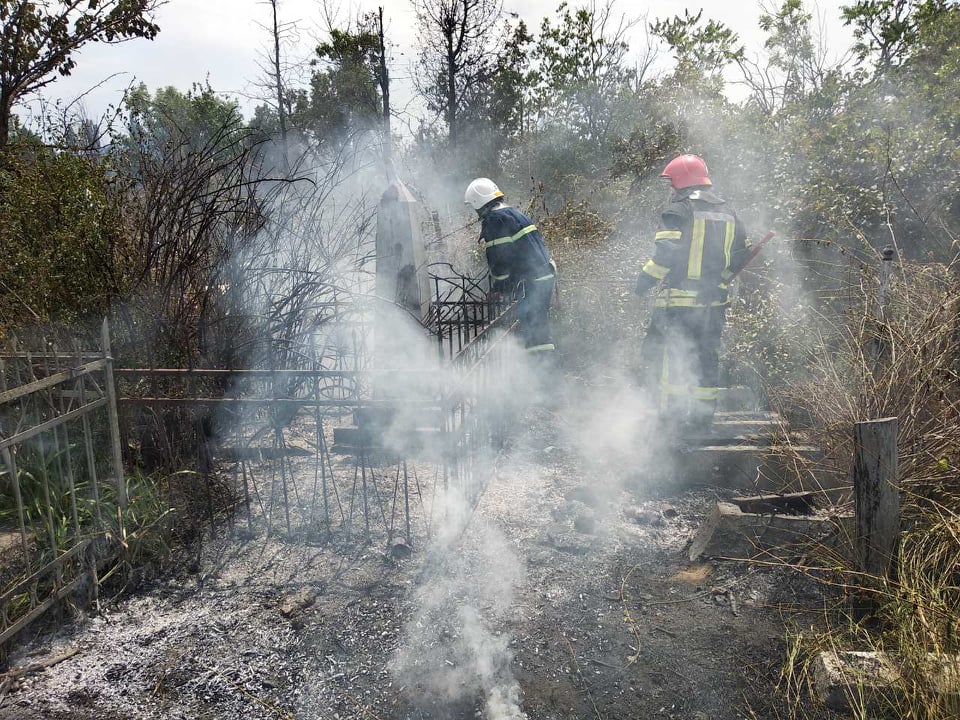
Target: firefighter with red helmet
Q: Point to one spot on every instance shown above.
(518, 259)
(698, 248)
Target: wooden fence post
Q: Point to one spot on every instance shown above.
(114, 420)
(876, 494)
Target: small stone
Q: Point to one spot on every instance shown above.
(585, 524)
(297, 602)
(400, 551)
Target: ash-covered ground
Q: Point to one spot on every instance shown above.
(566, 595)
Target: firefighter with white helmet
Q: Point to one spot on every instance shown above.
(518, 260)
(698, 248)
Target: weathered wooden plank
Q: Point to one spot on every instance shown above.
(40, 609)
(876, 494)
(221, 372)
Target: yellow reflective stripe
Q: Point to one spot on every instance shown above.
(695, 263)
(668, 235)
(543, 277)
(525, 231)
(654, 270)
(677, 292)
(499, 277)
(704, 393)
(728, 243)
(675, 297)
(725, 273)
(690, 302)
(541, 348)
(513, 238)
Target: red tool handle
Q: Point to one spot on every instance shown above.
(755, 250)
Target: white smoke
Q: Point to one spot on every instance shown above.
(454, 649)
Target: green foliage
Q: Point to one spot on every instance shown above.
(701, 50)
(55, 508)
(459, 44)
(60, 228)
(580, 71)
(497, 108)
(884, 29)
(343, 97)
(582, 99)
(38, 41)
(768, 339)
(169, 118)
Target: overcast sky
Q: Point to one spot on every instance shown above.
(222, 41)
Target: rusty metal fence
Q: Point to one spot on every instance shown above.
(301, 446)
(61, 476)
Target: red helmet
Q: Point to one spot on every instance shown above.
(686, 171)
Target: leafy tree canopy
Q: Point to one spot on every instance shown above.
(38, 40)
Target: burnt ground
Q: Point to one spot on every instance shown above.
(568, 594)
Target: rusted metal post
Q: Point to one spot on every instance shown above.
(15, 484)
(71, 484)
(876, 494)
(89, 452)
(110, 389)
(885, 269)
(879, 346)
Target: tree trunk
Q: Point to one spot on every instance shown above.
(281, 113)
(451, 86)
(6, 110)
(384, 79)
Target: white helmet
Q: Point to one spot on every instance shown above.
(480, 192)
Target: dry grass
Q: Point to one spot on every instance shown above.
(577, 227)
(904, 363)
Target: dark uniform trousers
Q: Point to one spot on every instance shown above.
(534, 313)
(680, 361)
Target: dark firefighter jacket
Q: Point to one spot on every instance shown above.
(699, 246)
(514, 247)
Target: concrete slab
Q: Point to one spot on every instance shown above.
(729, 532)
(862, 680)
(751, 466)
